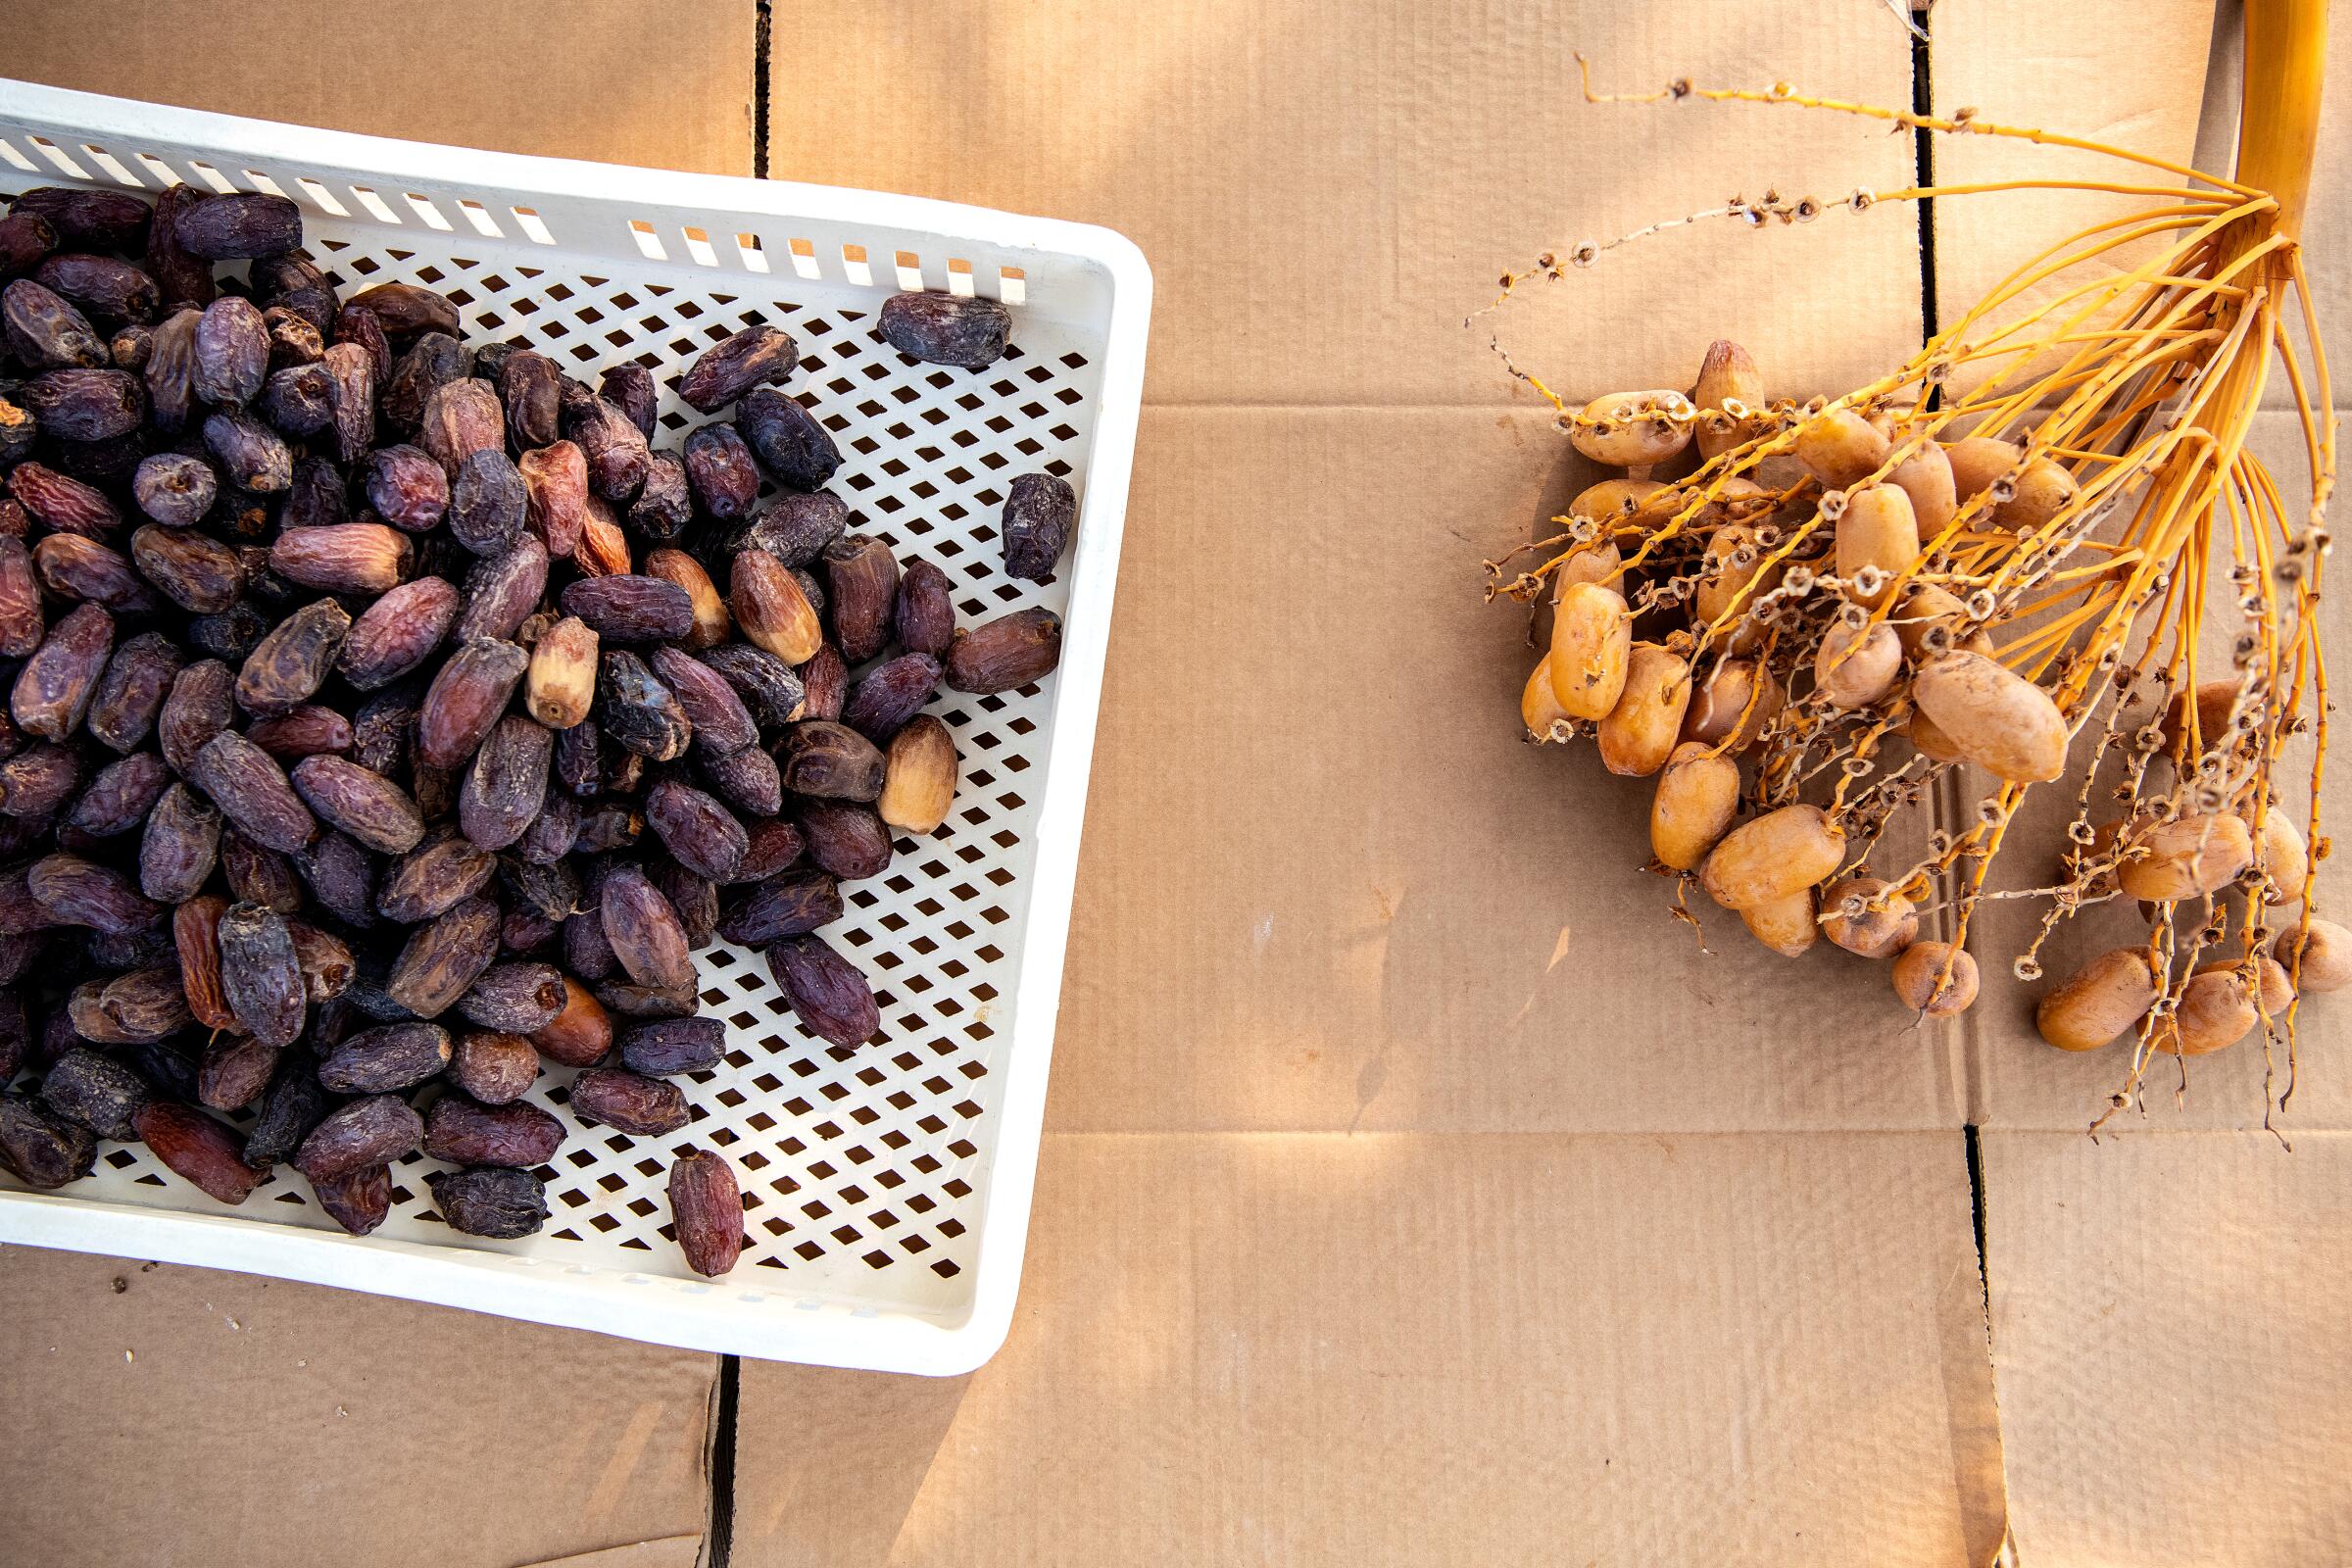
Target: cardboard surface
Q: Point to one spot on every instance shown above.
(2052, 68)
(1412, 1348)
(612, 80)
(1330, 887)
(2170, 1332)
(1324, 191)
(181, 1418)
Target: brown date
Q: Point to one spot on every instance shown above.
(260, 976)
(464, 1133)
(398, 633)
(969, 333)
(198, 1150)
(446, 958)
(251, 790)
(371, 1131)
(363, 804)
(387, 1057)
(828, 995)
(705, 1212)
(1010, 652)
(631, 1102)
(491, 1201)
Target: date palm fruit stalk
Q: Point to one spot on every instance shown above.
(1997, 557)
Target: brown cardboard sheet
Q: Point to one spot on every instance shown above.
(1328, 885)
(1324, 191)
(615, 80)
(2170, 1334)
(180, 1418)
(1406, 1349)
(2054, 68)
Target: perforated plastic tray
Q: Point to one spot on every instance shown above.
(888, 1187)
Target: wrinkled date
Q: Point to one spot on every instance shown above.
(466, 697)
(643, 930)
(722, 723)
(40, 1147)
(446, 958)
(515, 998)
(629, 1102)
(251, 790)
(95, 1091)
(880, 704)
(506, 785)
(944, 330)
(373, 1131)
(54, 688)
(630, 609)
(261, 977)
(924, 615)
(387, 1057)
(702, 834)
(755, 356)
(790, 442)
(828, 995)
(398, 633)
(1040, 511)
(831, 762)
(492, 1202)
(494, 1067)
(361, 801)
(791, 904)
(637, 711)
(290, 664)
(705, 1212)
(359, 1201)
(465, 1133)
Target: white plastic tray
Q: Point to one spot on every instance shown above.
(888, 1187)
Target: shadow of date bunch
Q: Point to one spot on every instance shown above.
(387, 717)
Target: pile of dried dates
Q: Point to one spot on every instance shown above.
(389, 716)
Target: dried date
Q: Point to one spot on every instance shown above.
(491, 1201)
(516, 1134)
(261, 979)
(387, 1057)
(705, 1212)
(199, 1151)
(828, 995)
